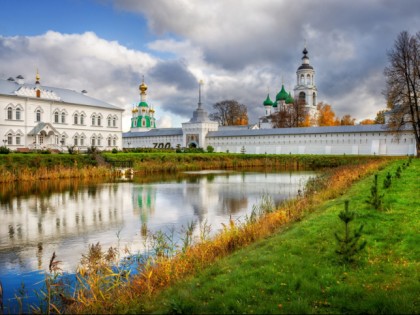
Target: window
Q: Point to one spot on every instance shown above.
(109, 121)
(38, 115)
(63, 140)
(18, 139)
(18, 114)
(109, 141)
(114, 142)
(76, 118)
(75, 140)
(82, 140)
(114, 122)
(99, 142)
(99, 120)
(93, 120)
(63, 118)
(9, 139)
(93, 141)
(56, 118)
(82, 119)
(9, 113)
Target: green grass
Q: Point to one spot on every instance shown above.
(297, 270)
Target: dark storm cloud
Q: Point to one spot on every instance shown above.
(173, 73)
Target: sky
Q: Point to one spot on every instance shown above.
(241, 49)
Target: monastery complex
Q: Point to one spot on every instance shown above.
(40, 117)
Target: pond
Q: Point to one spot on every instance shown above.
(65, 217)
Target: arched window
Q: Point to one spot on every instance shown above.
(56, 117)
(302, 96)
(99, 140)
(63, 117)
(109, 141)
(18, 111)
(302, 79)
(93, 141)
(9, 113)
(308, 79)
(114, 122)
(38, 115)
(17, 139)
(63, 140)
(114, 142)
(314, 98)
(76, 120)
(109, 121)
(82, 140)
(82, 119)
(76, 140)
(93, 120)
(99, 120)
(9, 139)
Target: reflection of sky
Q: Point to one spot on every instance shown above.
(67, 222)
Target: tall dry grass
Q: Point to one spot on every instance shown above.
(102, 290)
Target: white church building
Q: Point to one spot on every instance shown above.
(34, 116)
(262, 138)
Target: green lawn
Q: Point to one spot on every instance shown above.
(298, 271)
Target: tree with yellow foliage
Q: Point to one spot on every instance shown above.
(326, 116)
(367, 121)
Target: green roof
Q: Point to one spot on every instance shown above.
(289, 99)
(268, 101)
(143, 104)
(282, 95)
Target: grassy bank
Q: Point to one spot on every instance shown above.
(106, 292)
(173, 162)
(298, 271)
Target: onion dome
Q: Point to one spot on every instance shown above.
(282, 95)
(143, 87)
(151, 110)
(289, 99)
(134, 110)
(268, 101)
(305, 61)
(143, 104)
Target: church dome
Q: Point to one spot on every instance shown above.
(289, 99)
(268, 101)
(282, 95)
(143, 104)
(143, 87)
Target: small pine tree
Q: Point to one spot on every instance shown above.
(348, 245)
(387, 181)
(398, 172)
(375, 198)
(243, 151)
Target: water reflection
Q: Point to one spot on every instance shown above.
(66, 216)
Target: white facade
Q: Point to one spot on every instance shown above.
(39, 117)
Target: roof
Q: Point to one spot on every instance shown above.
(282, 95)
(38, 128)
(14, 89)
(297, 131)
(305, 66)
(268, 101)
(154, 133)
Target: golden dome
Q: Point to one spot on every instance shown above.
(143, 87)
(135, 110)
(152, 110)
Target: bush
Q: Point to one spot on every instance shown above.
(4, 150)
(114, 150)
(210, 149)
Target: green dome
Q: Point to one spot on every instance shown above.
(282, 95)
(143, 104)
(268, 101)
(289, 99)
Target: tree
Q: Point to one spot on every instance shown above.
(380, 117)
(347, 120)
(367, 121)
(229, 113)
(326, 116)
(403, 85)
(291, 115)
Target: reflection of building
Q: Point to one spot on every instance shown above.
(144, 201)
(41, 117)
(262, 138)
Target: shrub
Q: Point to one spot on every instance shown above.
(114, 150)
(210, 149)
(348, 245)
(4, 150)
(375, 198)
(398, 172)
(387, 180)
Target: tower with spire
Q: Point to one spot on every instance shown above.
(305, 90)
(143, 115)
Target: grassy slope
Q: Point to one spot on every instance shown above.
(297, 271)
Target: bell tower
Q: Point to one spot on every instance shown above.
(305, 89)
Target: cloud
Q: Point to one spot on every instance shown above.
(173, 72)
